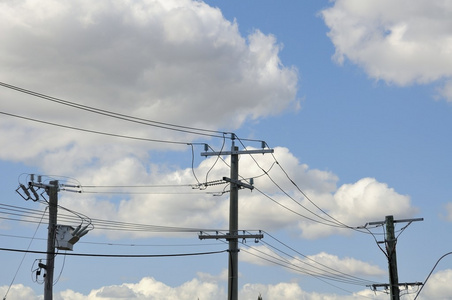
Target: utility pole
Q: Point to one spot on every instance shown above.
(52, 191)
(392, 258)
(233, 235)
(391, 242)
(62, 237)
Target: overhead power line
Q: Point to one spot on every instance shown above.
(115, 255)
(95, 131)
(265, 173)
(315, 264)
(21, 214)
(124, 117)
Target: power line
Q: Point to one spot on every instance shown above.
(329, 222)
(133, 245)
(324, 268)
(116, 255)
(265, 173)
(293, 211)
(325, 275)
(23, 257)
(163, 125)
(168, 126)
(429, 274)
(95, 131)
(32, 214)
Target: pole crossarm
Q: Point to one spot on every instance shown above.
(395, 221)
(238, 152)
(229, 236)
(387, 285)
(391, 242)
(41, 185)
(239, 183)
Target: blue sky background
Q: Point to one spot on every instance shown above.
(342, 126)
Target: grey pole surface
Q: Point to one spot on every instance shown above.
(53, 210)
(233, 227)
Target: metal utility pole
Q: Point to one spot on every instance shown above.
(52, 191)
(391, 242)
(233, 234)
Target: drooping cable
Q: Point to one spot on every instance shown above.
(309, 199)
(25, 253)
(117, 255)
(317, 265)
(163, 125)
(429, 274)
(265, 173)
(133, 245)
(30, 216)
(95, 131)
(218, 157)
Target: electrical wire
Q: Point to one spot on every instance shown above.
(313, 275)
(163, 125)
(62, 268)
(116, 255)
(433, 269)
(116, 244)
(318, 266)
(333, 220)
(293, 211)
(167, 126)
(95, 131)
(265, 173)
(23, 257)
(325, 274)
(376, 241)
(30, 215)
(139, 186)
(218, 157)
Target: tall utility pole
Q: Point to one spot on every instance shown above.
(234, 224)
(392, 258)
(391, 242)
(62, 237)
(233, 234)
(52, 191)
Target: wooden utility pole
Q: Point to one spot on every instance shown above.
(392, 258)
(52, 191)
(233, 234)
(391, 243)
(65, 242)
(233, 225)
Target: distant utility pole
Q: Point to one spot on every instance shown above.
(233, 234)
(391, 242)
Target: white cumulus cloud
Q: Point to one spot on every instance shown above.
(149, 288)
(319, 264)
(358, 203)
(401, 42)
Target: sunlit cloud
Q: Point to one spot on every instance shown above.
(402, 43)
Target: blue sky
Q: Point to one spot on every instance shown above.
(355, 98)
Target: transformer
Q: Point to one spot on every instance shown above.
(66, 236)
